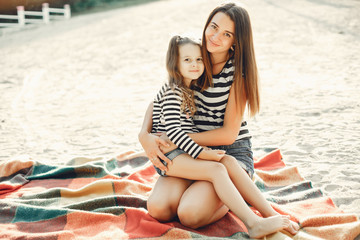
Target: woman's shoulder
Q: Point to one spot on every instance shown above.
(227, 72)
(229, 66)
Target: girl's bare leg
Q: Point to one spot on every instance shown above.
(185, 166)
(165, 197)
(250, 192)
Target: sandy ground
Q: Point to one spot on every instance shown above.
(81, 87)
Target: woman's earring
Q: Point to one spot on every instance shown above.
(232, 48)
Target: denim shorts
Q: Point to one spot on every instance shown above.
(170, 155)
(241, 150)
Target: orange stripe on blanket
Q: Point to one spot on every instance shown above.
(140, 225)
(7, 187)
(310, 207)
(11, 167)
(270, 161)
(126, 187)
(344, 231)
(327, 219)
(12, 174)
(94, 225)
(282, 177)
(146, 175)
(77, 183)
(48, 183)
(314, 206)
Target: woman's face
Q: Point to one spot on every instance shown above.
(220, 33)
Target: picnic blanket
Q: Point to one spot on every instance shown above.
(97, 198)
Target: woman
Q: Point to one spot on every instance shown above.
(230, 84)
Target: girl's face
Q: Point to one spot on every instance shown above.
(191, 64)
(220, 33)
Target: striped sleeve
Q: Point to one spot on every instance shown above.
(156, 114)
(172, 116)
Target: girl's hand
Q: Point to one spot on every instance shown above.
(151, 144)
(212, 155)
(206, 147)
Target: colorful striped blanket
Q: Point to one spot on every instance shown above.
(106, 199)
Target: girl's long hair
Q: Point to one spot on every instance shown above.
(246, 72)
(175, 77)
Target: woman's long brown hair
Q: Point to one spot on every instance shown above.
(246, 73)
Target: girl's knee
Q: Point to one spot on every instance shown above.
(211, 171)
(216, 169)
(228, 160)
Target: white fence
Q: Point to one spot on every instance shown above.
(45, 14)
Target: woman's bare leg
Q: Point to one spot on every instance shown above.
(165, 197)
(185, 166)
(250, 192)
(200, 205)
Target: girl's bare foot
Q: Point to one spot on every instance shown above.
(293, 227)
(265, 226)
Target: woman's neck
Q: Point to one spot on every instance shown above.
(218, 61)
(218, 58)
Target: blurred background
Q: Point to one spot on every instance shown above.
(77, 6)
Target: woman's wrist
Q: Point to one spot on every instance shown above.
(142, 135)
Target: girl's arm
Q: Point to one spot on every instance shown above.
(151, 143)
(172, 116)
(171, 109)
(228, 133)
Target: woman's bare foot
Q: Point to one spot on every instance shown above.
(265, 226)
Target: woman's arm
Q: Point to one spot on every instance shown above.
(151, 143)
(228, 133)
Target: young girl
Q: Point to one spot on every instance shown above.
(172, 113)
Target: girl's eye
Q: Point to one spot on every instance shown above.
(187, 59)
(199, 59)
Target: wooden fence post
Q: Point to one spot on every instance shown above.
(21, 15)
(67, 11)
(46, 13)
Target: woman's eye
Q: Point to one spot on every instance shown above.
(228, 35)
(212, 26)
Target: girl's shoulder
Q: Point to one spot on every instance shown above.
(168, 91)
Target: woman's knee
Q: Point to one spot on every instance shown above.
(160, 210)
(198, 205)
(190, 217)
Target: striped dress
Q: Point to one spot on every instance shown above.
(168, 117)
(211, 103)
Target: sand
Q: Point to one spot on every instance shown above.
(81, 87)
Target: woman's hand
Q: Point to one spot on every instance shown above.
(212, 155)
(151, 144)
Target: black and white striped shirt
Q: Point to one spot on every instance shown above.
(168, 117)
(211, 103)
